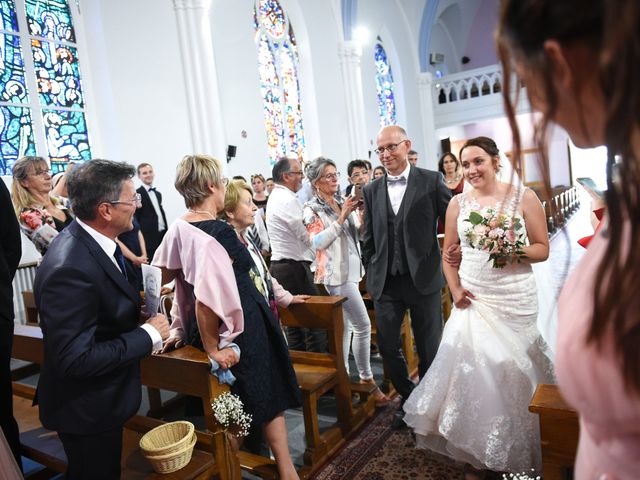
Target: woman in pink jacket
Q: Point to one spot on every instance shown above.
(580, 63)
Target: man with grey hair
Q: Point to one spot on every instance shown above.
(90, 313)
(402, 255)
(291, 253)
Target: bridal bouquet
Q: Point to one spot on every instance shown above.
(496, 233)
(229, 412)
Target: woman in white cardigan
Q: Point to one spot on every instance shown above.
(333, 224)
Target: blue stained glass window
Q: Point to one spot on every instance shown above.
(58, 105)
(12, 85)
(384, 87)
(50, 19)
(279, 86)
(16, 136)
(8, 13)
(57, 74)
(66, 133)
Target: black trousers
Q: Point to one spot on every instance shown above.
(95, 456)
(400, 294)
(296, 276)
(7, 420)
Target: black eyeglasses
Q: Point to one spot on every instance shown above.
(389, 148)
(297, 173)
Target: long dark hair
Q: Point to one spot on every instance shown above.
(441, 162)
(611, 32)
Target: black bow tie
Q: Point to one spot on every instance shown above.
(152, 189)
(399, 180)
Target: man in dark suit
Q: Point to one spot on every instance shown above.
(150, 216)
(90, 313)
(10, 253)
(402, 256)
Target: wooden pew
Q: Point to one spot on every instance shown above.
(559, 431)
(318, 373)
(186, 371)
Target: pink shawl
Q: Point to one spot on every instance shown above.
(202, 267)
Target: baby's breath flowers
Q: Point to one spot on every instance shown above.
(521, 476)
(229, 412)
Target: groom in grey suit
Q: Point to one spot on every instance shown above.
(402, 256)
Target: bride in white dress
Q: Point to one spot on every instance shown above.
(472, 405)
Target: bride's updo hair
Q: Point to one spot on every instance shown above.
(486, 144)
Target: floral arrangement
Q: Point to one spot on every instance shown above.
(498, 234)
(520, 476)
(229, 412)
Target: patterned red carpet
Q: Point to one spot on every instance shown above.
(380, 453)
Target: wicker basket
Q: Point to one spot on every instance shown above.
(173, 461)
(167, 438)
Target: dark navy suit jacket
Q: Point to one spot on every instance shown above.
(89, 312)
(146, 214)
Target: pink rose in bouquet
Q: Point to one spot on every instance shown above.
(498, 234)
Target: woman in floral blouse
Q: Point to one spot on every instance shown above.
(41, 215)
(332, 224)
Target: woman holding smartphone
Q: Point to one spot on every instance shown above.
(333, 224)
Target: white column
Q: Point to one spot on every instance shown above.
(350, 54)
(201, 82)
(425, 92)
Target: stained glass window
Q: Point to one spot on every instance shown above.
(50, 19)
(49, 95)
(384, 86)
(57, 74)
(16, 136)
(9, 20)
(279, 86)
(12, 85)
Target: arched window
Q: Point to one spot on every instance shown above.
(279, 86)
(41, 96)
(384, 86)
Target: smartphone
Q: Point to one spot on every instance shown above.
(588, 183)
(357, 192)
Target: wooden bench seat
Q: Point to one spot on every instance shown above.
(320, 373)
(186, 371)
(559, 431)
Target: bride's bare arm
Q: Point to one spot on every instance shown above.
(460, 295)
(535, 221)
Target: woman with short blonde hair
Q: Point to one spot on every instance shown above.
(233, 299)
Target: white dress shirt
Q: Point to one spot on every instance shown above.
(156, 207)
(109, 247)
(396, 189)
(288, 235)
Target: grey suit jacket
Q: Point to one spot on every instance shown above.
(425, 199)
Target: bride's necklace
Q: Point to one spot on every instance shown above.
(202, 212)
(456, 179)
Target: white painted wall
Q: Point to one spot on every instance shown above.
(138, 98)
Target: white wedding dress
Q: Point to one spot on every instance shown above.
(472, 405)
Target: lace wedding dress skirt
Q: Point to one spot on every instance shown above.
(472, 405)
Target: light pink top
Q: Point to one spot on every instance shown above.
(591, 381)
(202, 268)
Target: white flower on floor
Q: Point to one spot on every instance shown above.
(520, 476)
(229, 412)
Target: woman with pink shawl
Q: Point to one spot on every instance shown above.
(219, 306)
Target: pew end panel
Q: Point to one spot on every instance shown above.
(559, 431)
(319, 373)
